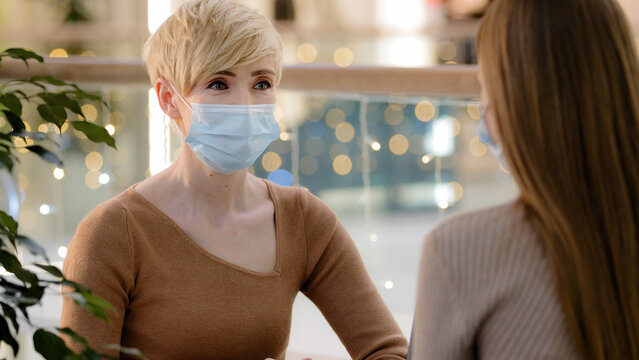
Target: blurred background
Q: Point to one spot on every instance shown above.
(391, 164)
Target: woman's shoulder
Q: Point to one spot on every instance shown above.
(499, 222)
(487, 241)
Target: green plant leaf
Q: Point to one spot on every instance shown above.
(49, 345)
(6, 161)
(8, 222)
(7, 337)
(94, 132)
(33, 247)
(10, 312)
(53, 270)
(77, 287)
(61, 99)
(90, 354)
(22, 54)
(12, 103)
(46, 155)
(12, 264)
(16, 122)
(46, 79)
(54, 114)
(94, 304)
(74, 336)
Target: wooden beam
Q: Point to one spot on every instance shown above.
(449, 80)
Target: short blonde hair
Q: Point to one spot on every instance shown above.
(203, 37)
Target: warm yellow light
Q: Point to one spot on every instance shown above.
(59, 53)
(443, 204)
(20, 145)
(398, 144)
(308, 165)
(271, 161)
(344, 132)
(392, 116)
(58, 173)
(285, 136)
(87, 53)
(65, 127)
(342, 165)
(94, 161)
(334, 117)
(90, 112)
(307, 53)
(43, 128)
(426, 159)
(92, 180)
(456, 126)
(376, 146)
(424, 111)
(473, 111)
(343, 57)
(458, 189)
(110, 129)
(476, 147)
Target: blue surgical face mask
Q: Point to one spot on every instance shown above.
(228, 138)
(484, 136)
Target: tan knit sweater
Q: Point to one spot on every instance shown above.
(174, 300)
(485, 291)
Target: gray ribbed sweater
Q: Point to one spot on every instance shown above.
(485, 291)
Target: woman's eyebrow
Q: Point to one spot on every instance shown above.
(226, 72)
(262, 72)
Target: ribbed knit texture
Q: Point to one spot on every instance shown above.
(485, 291)
(174, 300)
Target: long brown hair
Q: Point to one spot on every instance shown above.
(563, 79)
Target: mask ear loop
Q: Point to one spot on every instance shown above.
(175, 125)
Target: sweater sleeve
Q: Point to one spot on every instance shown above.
(438, 327)
(339, 285)
(99, 257)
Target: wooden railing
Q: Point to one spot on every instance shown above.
(449, 80)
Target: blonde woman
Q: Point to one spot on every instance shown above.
(555, 274)
(204, 260)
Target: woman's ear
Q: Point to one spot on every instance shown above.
(168, 99)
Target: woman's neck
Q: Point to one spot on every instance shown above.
(202, 190)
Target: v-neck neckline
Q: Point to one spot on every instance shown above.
(276, 270)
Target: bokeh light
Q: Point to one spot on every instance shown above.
(473, 111)
(344, 132)
(94, 161)
(58, 173)
(90, 112)
(110, 129)
(92, 180)
(58, 53)
(424, 111)
(271, 161)
(476, 147)
(398, 144)
(307, 53)
(342, 165)
(281, 177)
(343, 57)
(62, 251)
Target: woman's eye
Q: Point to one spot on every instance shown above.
(218, 85)
(262, 85)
